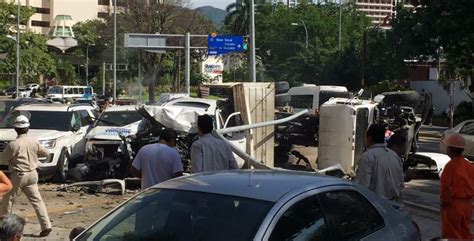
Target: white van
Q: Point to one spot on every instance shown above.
(310, 97)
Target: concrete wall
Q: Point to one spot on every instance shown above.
(440, 95)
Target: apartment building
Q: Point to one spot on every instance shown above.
(46, 11)
(379, 11)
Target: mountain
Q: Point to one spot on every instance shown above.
(215, 15)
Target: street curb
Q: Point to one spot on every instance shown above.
(425, 208)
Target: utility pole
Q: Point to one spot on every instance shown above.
(18, 49)
(115, 50)
(252, 69)
(340, 25)
(187, 62)
(103, 78)
(140, 83)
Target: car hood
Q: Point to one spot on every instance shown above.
(112, 132)
(10, 134)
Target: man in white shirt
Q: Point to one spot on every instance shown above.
(158, 162)
(210, 153)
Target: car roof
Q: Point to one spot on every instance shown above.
(53, 107)
(121, 108)
(268, 185)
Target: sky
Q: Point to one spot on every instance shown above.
(214, 3)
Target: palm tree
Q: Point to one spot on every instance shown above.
(237, 19)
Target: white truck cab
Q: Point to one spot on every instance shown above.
(311, 97)
(342, 126)
(58, 127)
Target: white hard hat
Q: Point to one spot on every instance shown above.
(21, 121)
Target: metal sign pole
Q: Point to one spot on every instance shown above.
(252, 69)
(115, 50)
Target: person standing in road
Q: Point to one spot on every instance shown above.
(457, 191)
(22, 155)
(380, 168)
(210, 153)
(158, 162)
(5, 184)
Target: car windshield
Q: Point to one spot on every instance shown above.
(161, 214)
(41, 120)
(118, 118)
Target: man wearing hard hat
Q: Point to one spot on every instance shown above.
(457, 191)
(22, 155)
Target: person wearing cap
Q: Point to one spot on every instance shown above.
(22, 155)
(457, 191)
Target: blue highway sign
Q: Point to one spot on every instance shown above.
(224, 44)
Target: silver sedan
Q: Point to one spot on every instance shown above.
(255, 205)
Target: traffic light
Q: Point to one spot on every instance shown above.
(246, 43)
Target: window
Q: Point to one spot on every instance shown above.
(302, 101)
(118, 118)
(40, 23)
(41, 120)
(351, 214)
(85, 118)
(42, 10)
(467, 129)
(181, 215)
(102, 15)
(104, 2)
(302, 221)
(76, 119)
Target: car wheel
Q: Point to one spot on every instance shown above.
(62, 168)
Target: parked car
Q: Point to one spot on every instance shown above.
(466, 129)
(58, 127)
(23, 92)
(33, 86)
(255, 205)
(10, 90)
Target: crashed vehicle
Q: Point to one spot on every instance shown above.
(103, 140)
(111, 149)
(343, 125)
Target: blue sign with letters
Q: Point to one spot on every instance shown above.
(224, 44)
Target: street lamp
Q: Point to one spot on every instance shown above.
(17, 48)
(87, 63)
(305, 31)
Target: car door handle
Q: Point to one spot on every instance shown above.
(241, 141)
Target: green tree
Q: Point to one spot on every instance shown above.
(237, 19)
(281, 45)
(34, 57)
(168, 16)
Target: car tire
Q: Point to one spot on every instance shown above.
(281, 87)
(62, 168)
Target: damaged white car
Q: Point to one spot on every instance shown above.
(115, 140)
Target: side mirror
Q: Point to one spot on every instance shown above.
(75, 232)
